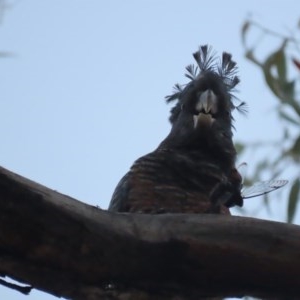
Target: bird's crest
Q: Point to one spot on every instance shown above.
(225, 69)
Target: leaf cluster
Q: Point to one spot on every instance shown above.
(281, 71)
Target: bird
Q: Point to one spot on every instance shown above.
(193, 169)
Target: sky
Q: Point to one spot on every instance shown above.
(82, 92)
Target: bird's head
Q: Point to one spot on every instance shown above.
(202, 115)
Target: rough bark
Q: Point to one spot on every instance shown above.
(70, 249)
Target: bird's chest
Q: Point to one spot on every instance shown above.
(177, 184)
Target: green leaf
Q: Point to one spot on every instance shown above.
(239, 147)
(294, 151)
(6, 54)
(271, 81)
(250, 55)
(288, 118)
(244, 30)
(278, 83)
(293, 200)
(288, 89)
(297, 145)
(280, 62)
(294, 104)
(260, 167)
(267, 203)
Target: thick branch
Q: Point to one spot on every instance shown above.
(70, 249)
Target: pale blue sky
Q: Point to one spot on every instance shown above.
(83, 94)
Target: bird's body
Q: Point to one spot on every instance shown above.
(193, 169)
(168, 181)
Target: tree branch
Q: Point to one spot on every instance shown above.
(70, 249)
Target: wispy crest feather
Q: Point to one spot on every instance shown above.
(192, 72)
(227, 70)
(205, 58)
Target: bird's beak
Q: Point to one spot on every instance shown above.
(206, 107)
